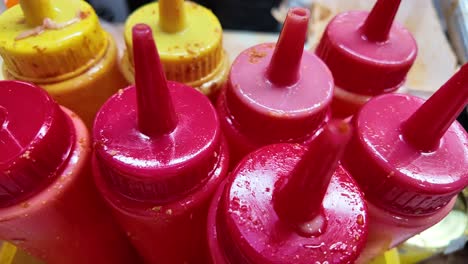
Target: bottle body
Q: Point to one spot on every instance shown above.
(388, 230)
(167, 233)
(67, 222)
(85, 92)
(345, 103)
(216, 252)
(240, 144)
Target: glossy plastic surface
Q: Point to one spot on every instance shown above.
(189, 37)
(243, 226)
(33, 152)
(410, 158)
(82, 81)
(298, 197)
(159, 156)
(394, 173)
(32, 51)
(368, 53)
(275, 93)
(67, 222)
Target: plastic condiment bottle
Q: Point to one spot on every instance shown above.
(368, 54)
(287, 203)
(160, 156)
(60, 46)
(410, 159)
(275, 94)
(49, 205)
(190, 44)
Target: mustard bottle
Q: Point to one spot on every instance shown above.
(189, 39)
(60, 46)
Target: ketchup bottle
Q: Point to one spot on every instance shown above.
(286, 203)
(411, 160)
(275, 93)
(49, 206)
(368, 55)
(159, 157)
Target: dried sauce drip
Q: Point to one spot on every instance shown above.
(255, 56)
(49, 24)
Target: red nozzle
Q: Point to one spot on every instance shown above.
(430, 122)
(286, 60)
(156, 114)
(300, 198)
(379, 22)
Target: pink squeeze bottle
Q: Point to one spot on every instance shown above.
(411, 160)
(368, 54)
(49, 206)
(159, 157)
(275, 93)
(286, 203)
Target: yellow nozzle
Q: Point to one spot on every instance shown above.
(172, 17)
(35, 11)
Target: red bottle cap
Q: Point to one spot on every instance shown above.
(284, 86)
(409, 157)
(157, 140)
(368, 53)
(286, 203)
(36, 140)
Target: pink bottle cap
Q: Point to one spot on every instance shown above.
(409, 157)
(157, 140)
(290, 204)
(368, 53)
(274, 87)
(36, 140)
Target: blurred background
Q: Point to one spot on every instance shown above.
(254, 15)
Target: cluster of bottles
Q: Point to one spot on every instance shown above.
(93, 172)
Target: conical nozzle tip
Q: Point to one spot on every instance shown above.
(300, 198)
(156, 114)
(380, 20)
(430, 122)
(285, 63)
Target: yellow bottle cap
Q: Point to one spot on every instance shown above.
(50, 40)
(188, 36)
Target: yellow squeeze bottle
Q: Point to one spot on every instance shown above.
(60, 46)
(189, 39)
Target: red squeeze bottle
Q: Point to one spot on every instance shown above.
(159, 157)
(368, 54)
(49, 206)
(411, 160)
(286, 203)
(275, 94)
